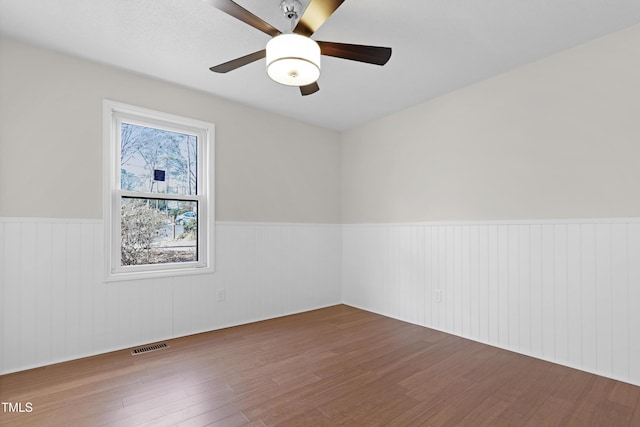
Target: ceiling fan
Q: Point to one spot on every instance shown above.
(293, 58)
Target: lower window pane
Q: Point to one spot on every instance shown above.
(156, 231)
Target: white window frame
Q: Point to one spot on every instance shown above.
(114, 114)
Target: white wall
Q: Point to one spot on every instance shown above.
(55, 305)
(565, 291)
(516, 162)
(557, 138)
(277, 204)
(268, 167)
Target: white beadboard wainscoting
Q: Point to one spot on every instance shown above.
(56, 306)
(564, 291)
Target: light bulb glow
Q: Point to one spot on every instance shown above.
(293, 60)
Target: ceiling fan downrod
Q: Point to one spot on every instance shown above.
(291, 9)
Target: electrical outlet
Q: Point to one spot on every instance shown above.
(222, 294)
(438, 295)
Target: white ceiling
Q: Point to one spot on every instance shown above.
(438, 45)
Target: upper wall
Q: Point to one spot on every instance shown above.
(268, 168)
(558, 138)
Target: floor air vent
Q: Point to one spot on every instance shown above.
(149, 348)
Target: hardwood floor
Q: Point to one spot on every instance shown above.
(338, 366)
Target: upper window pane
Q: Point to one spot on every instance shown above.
(157, 161)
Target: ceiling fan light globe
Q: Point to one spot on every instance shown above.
(293, 60)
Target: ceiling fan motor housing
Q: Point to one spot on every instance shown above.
(291, 8)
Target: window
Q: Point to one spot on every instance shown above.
(158, 193)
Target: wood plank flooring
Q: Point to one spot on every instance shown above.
(338, 366)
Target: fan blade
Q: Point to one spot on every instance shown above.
(315, 15)
(239, 62)
(239, 12)
(309, 89)
(356, 52)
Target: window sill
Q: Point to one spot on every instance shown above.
(157, 274)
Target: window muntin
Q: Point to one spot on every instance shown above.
(160, 193)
